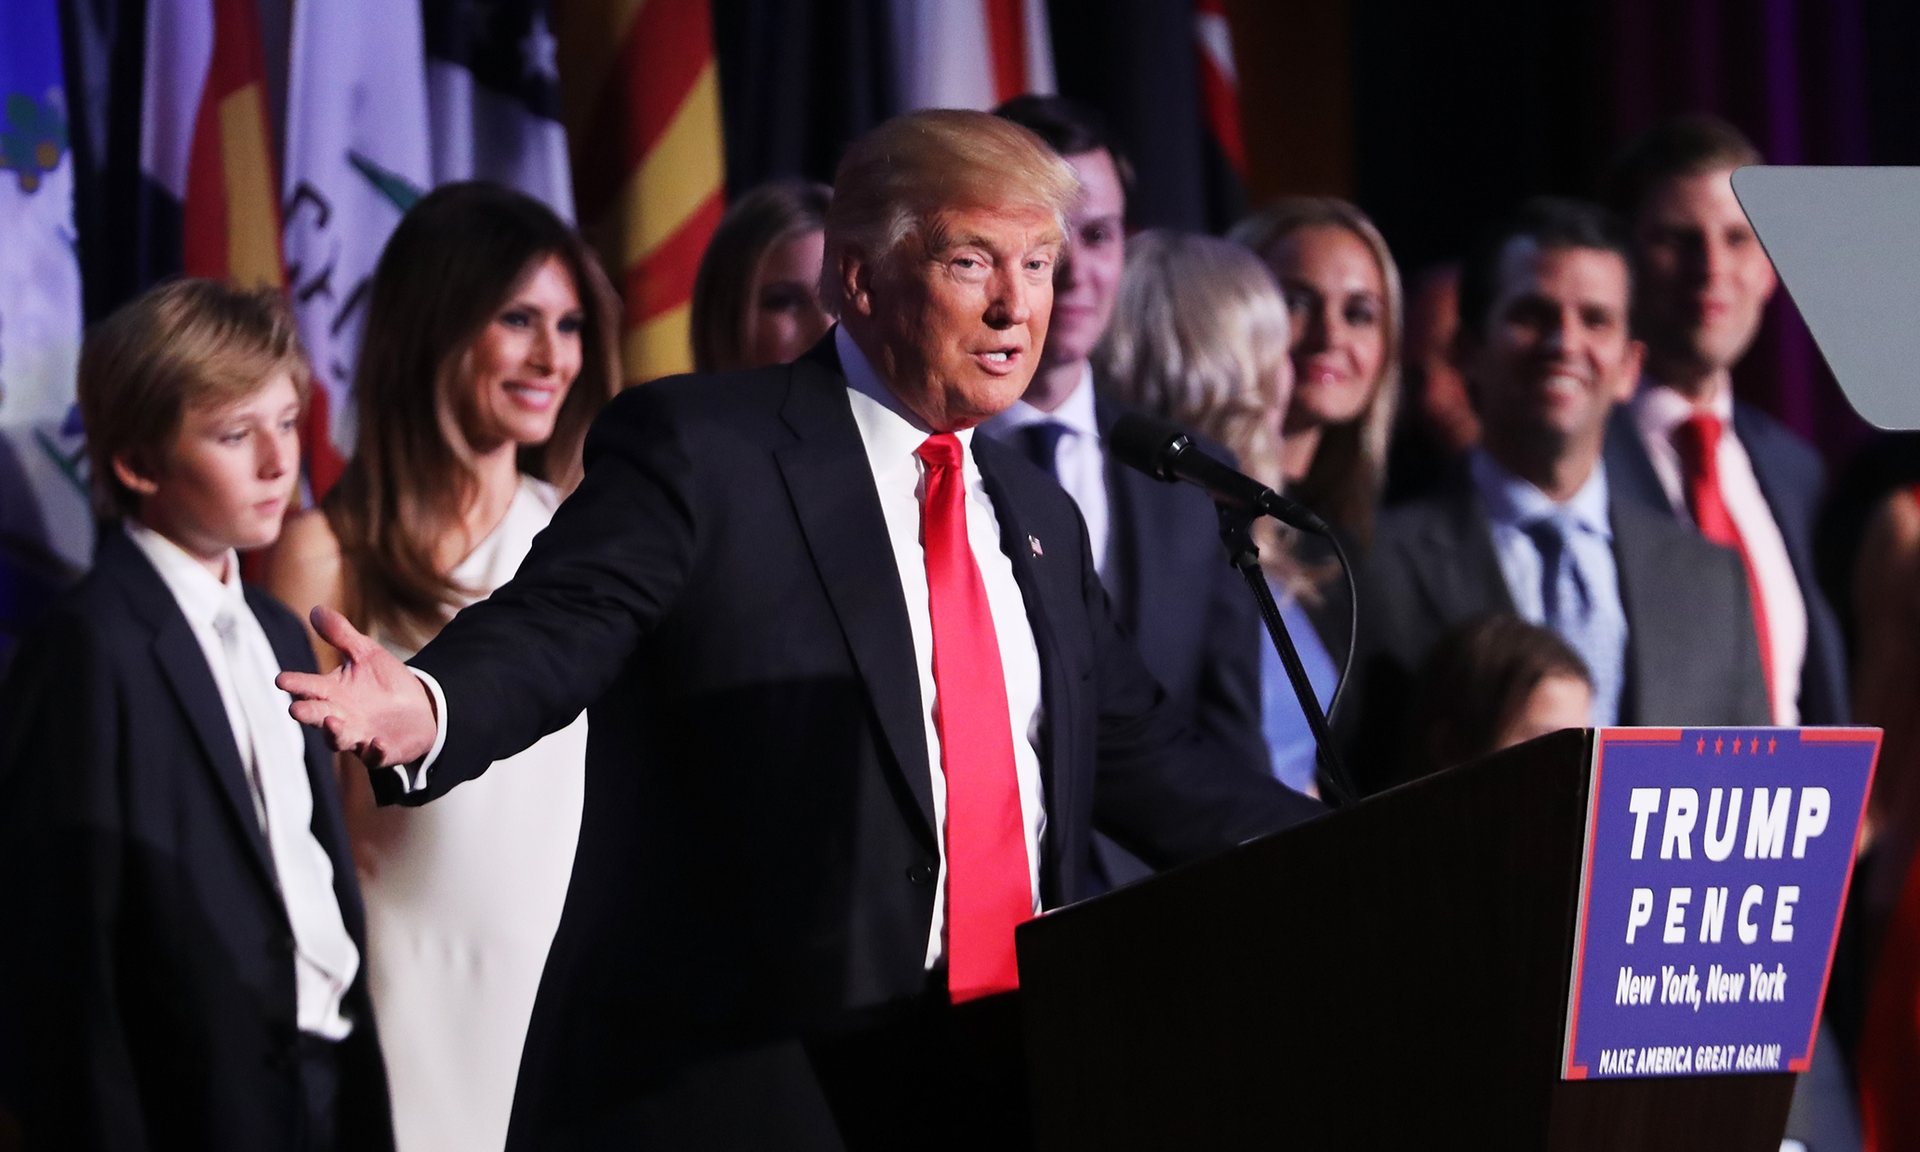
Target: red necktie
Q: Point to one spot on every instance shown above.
(989, 890)
(1698, 441)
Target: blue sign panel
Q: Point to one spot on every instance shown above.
(1716, 868)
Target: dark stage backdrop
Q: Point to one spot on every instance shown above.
(1459, 111)
(1434, 117)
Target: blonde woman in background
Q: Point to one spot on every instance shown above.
(1200, 336)
(1343, 298)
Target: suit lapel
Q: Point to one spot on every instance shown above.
(184, 667)
(1630, 473)
(1054, 686)
(1464, 576)
(831, 485)
(1657, 621)
(1754, 436)
(1129, 577)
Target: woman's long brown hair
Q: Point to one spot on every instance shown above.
(451, 265)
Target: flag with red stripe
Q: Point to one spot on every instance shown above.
(639, 81)
(970, 53)
(232, 215)
(206, 152)
(1219, 81)
(1145, 73)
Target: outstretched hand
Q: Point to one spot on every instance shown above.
(371, 705)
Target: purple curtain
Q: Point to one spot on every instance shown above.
(1800, 78)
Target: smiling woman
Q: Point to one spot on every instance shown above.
(756, 298)
(1343, 294)
(488, 350)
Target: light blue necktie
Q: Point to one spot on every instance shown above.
(1566, 599)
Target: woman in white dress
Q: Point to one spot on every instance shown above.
(489, 347)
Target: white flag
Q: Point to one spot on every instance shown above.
(969, 53)
(493, 91)
(357, 159)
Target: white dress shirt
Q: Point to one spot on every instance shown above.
(1078, 462)
(1657, 412)
(892, 435)
(1511, 504)
(325, 959)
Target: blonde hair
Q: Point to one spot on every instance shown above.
(1349, 469)
(895, 177)
(203, 344)
(1200, 336)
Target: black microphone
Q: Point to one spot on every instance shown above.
(1165, 452)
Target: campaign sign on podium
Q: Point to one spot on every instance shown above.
(1715, 872)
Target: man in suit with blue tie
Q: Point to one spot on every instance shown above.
(1683, 444)
(1536, 526)
(1156, 546)
(180, 962)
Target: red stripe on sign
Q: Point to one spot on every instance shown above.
(1586, 894)
(669, 44)
(664, 280)
(1007, 40)
(1640, 735)
(1839, 735)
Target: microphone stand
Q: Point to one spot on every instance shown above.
(1236, 533)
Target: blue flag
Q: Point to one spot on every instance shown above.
(45, 530)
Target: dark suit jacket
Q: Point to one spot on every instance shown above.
(1794, 482)
(1188, 609)
(758, 855)
(1691, 656)
(146, 976)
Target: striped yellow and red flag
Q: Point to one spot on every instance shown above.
(231, 216)
(642, 99)
(207, 162)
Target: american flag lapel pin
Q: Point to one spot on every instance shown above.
(1033, 543)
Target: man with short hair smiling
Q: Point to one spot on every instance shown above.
(856, 701)
(1156, 546)
(1684, 444)
(1658, 615)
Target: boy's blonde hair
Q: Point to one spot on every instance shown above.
(185, 344)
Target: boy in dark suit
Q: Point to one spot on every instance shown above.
(181, 963)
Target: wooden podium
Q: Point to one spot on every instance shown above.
(1391, 976)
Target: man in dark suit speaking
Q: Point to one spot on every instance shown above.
(856, 699)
